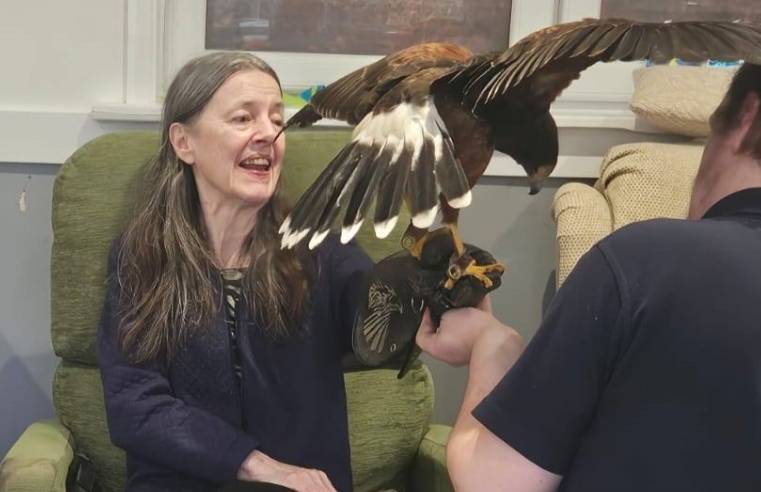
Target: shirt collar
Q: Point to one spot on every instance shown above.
(743, 202)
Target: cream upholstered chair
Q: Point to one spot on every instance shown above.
(644, 180)
(637, 182)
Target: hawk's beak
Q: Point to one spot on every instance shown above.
(536, 180)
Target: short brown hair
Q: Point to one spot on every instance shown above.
(726, 117)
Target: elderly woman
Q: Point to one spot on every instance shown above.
(220, 353)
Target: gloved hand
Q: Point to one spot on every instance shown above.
(400, 287)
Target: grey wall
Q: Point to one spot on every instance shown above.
(518, 230)
(26, 356)
(503, 219)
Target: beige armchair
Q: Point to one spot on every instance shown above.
(645, 180)
(637, 182)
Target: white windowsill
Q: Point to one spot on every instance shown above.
(616, 118)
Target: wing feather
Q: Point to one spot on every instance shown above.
(402, 153)
(560, 53)
(353, 96)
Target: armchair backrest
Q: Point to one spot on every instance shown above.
(637, 182)
(91, 202)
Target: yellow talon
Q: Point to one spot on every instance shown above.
(415, 246)
(415, 240)
(478, 271)
(414, 243)
(456, 239)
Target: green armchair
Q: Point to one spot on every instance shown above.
(392, 444)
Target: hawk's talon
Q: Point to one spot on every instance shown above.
(455, 272)
(415, 246)
(461, 263)
(415, 242)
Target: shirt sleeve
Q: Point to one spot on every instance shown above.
(146, 419)
(544, 404)
(349, 266)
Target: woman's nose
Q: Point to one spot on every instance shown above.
(265, 132)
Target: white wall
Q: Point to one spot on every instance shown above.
(58, 59)
(60, 56)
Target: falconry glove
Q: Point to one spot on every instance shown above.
(400, 287)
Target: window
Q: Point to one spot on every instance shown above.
(163, 34)
(599, 98)
(658, 10)
(301, 61)
(359, 27)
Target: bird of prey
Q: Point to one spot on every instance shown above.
(429, 117)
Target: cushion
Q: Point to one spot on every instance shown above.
(679, 99)
(430, 473)
(388, 418)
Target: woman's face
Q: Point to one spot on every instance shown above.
(235, 161)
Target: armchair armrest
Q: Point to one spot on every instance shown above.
(39, 460)
(429, 469)
(583, 217)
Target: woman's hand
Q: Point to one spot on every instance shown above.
(258, 467)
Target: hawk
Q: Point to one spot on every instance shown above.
(429, 117)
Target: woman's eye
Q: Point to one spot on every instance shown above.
(277, 121)
(241, 118)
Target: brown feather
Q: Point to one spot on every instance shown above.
(593, 37)
(353, 96)
(622, 45)
(588, 41)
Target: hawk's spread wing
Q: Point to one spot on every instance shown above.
(547, 61)
(400, 148)
(399, 151)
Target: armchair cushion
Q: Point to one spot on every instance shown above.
(429, 472)
(679, 99)
(387, 422)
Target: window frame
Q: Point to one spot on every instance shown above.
(186, 21)
(164, 34)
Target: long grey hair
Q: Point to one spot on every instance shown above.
(166, 265)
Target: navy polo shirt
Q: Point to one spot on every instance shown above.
(646, 371)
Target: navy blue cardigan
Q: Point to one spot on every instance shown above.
(189, 424)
